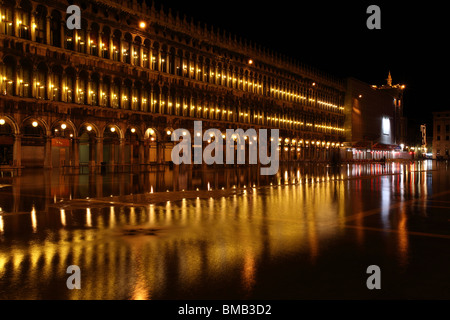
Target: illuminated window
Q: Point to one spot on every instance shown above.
(386, 126)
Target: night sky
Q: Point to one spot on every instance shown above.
(333, 37)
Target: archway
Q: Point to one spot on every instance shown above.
(63, 133)
(133, 146)
(6, 143)
(33, 143)
(87, 142)
(111, 145)
(151, 135)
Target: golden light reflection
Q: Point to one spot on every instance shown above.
(63, 217)
(248, 273)
(403, 243)
(33, 219)
(88, 217)
(198, 237)
(112, 217)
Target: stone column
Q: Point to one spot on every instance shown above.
(141, 153)
(47, 29)
(121, 153)
(62, 34)
(32, 23)
(75, 157)
(92, 147)
(99, 150)
(17, 151)
(48, 153)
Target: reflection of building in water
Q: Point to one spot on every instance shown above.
(441, 135)
(374, 123)
(113, 91)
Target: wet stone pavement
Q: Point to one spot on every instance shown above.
(309, 232)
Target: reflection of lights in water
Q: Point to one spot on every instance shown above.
(151, 189)
(140, 291)
(63, 217)
(88, 217)
(151, 214)
(33, 219)
(112, 216)
(1, 225)
(403, 236)
(132, 216)
(208, 187)
(248, 273)
(385, 200)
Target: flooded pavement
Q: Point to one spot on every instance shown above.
(310, 232)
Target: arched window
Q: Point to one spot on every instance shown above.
(186, 64)
(146, 54)
(55, 85)
(104, 42)
(94, 89)
(23, 23)
(27, 78)
(41, 81)
(104, 95)
(41, 21)
(9, 78)
(145, 98)
(7, 13)
(155, 56)
(178, 62)
(126, 48)
(172, 61)
(163, 59)
(82, 88)
(116, 45)
(69, 85)
(69, 41)
(94, 40)
(126, 94)
(136, 96)
(55, 28)
(137, 51)
(115, 92)
(81, 38)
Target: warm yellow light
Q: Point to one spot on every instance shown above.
(250, 61)
(88, 128)
(112, 129)
(169, 132)
(34, 124)
(2, 121)
(133, 130)
(63, 126)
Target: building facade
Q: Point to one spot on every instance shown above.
(113, 91)
(441, 135)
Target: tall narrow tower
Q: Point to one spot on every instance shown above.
(389, 79)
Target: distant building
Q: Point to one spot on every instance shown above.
(374, 121)
(441, 134)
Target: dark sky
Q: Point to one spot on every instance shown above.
(332, 36)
